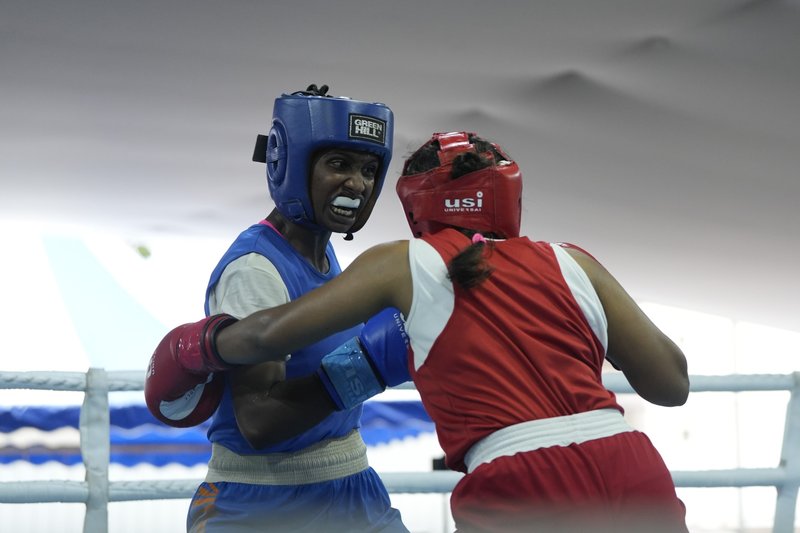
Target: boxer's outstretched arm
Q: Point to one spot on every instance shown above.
(377, 279)
(355, 371)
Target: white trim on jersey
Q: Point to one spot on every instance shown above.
(248, 284)
(433, 299)
(584, 293)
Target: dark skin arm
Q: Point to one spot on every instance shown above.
(270, 410)
(381, 277)
(377, 279)
(653, 364)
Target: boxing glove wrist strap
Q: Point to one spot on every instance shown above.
(211, 357)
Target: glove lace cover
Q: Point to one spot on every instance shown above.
(348, 375)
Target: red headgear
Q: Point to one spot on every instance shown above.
(488, 200)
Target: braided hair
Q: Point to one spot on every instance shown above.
(313, 90)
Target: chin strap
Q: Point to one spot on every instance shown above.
(348, 236)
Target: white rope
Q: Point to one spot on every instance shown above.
(131, 380)
(435, 482)
(95, 432)
(123, 380)
(44, 491)
(786, 501)
(616, 382)
(96, 492)
(60, 381)
(169, 489)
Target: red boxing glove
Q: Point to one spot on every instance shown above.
(180, 388)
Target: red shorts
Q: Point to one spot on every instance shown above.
(618, 483)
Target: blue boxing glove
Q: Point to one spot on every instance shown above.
(365, 365)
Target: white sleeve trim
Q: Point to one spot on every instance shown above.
(584, 293)
(248, 284)
(433, 299)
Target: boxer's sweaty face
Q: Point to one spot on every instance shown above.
(342, 182)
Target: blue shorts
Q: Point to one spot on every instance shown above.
(356, 503)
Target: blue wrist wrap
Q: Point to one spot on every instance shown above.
(348, 375)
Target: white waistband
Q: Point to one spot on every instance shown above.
(324, 461)
(557, 431)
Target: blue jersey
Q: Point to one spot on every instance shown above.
(343, 504)
(299, 277)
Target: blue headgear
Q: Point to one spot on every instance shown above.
(303, 124)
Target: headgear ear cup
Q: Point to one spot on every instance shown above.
(276, 154)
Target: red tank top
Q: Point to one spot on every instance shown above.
(516, 348)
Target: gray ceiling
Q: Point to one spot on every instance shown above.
(662, 135)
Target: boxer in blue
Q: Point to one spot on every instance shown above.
(280, 461)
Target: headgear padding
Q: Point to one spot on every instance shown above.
(488, 200)
(302, 125)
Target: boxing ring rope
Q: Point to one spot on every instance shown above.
(97, 491)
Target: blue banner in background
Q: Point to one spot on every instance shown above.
(136, 437)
